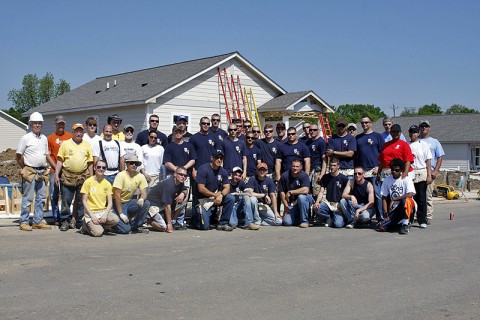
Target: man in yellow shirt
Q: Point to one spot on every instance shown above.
(97, 201)
(74, 166)
(132, 211)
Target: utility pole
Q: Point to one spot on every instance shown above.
(394, 108)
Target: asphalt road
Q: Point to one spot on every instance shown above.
(273, 273)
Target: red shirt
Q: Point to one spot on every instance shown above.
(395, 149)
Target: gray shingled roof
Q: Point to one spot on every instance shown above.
(286, 100)
(130, 86)
(449, 128)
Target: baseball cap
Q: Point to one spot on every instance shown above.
(59, 119)
(237, 169)
(180, 118)
(352, 125)
(424, 121)
(218, 153)
(77, 125)
(262, 165)
(414, 129)
(341, 121)
(128, 126)
(396, 127)
(175, 128)
(281, 125)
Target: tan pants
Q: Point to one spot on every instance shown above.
(430, 200)
(96, 230)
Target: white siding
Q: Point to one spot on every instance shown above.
(12, 135)
(203, 96)
(456, 156)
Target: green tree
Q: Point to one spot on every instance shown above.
(354, 112)
(409, 111)
(34, 92)
(457, 108)
(430, 109)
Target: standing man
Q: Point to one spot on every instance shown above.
(352, 129)
(436, 162)
(213, 192)
(281, 132)
(164, 199)
(142, 137)
(387, 125)
(130, 147)
(317, 147)
(422, 167)
(256, 132)
(182, 123)
(205, 143)
(215, 129)
(235, 151)
(369, 146)
(294, 187)
(32, 152)
(306, 130)
(131, 211)
(115, 121)
(292, 150)
(74, 166)
(91, 132)
(110, 152)
(343, 147)
(54, 142)
(269, 148)
(254, 155)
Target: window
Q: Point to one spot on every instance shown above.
(477, 157)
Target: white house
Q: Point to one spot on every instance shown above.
(13, 131)
(191, 88)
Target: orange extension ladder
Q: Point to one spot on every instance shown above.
(326, 130)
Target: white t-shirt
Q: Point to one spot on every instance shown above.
(152, 159)
(397, 188)
(111, 150)
(421, 153)
(90, 140)
(34, 149)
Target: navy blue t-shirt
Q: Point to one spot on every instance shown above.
(234, 153)
(266, 186)
(369, 147)
(317, 150)
(165, 192)
(346, 143)
(269, 152)
(204, 145)
(289, 152)
(254, 154)
(220, 134)
(289, 182)
(142, 138)
(179, 154)
(212, 179)
(333, 186)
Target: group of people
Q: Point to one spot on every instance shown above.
(241, 177)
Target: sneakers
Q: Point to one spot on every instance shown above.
(64, 226)
(303, 225)
(328, 222)
(253, 226)
(404, 229)
(42, 225)
(224, 227)
(178, 226)
(24, 226)
(73, 224)
(423, 225)
(140, 230)
(349, 226)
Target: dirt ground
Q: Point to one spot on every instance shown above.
(9, 167)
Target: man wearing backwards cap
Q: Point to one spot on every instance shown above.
(182, 123)
(130, 210)
(74, 166)
(264, 198)
(242, 208)
(212, 191)
(54, 142)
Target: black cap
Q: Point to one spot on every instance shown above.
(396, 127)
(413, 129)
(218, 153)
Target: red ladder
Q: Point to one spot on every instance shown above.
(327, 132)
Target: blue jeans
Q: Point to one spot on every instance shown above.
(135, 214)
(31, 189)
(324, 213)
(264, 217)
(111, 178)
(299, 213)
(349, 212)
(242, 209)
(68, 194)
(377, 188)
(54, 192)
(201, 217)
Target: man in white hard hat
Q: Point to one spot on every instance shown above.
(32, 152)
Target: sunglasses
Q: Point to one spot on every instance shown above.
(101, 167)
(153, 137)
(181, 174)
(92, 124)
(250, 138)
(256, 131)
(231, 130)
(129, 130)
(313, 129)
(156, 121)
(262, 169)
(216, 120)
(291, 133)
(358, 173)
(133, 164)
(268, 131)
(218, 157)
(424, 126)
(365, 122)
(341, 126)
(205, 123)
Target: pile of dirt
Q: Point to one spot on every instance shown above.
(9, 167)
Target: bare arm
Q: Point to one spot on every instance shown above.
(20, 161)
(307, 161)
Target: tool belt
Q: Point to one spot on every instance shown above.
(73, 179)
(35, 173)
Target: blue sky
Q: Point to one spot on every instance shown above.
(407, 53)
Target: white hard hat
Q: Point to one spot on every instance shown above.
(36, 116)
